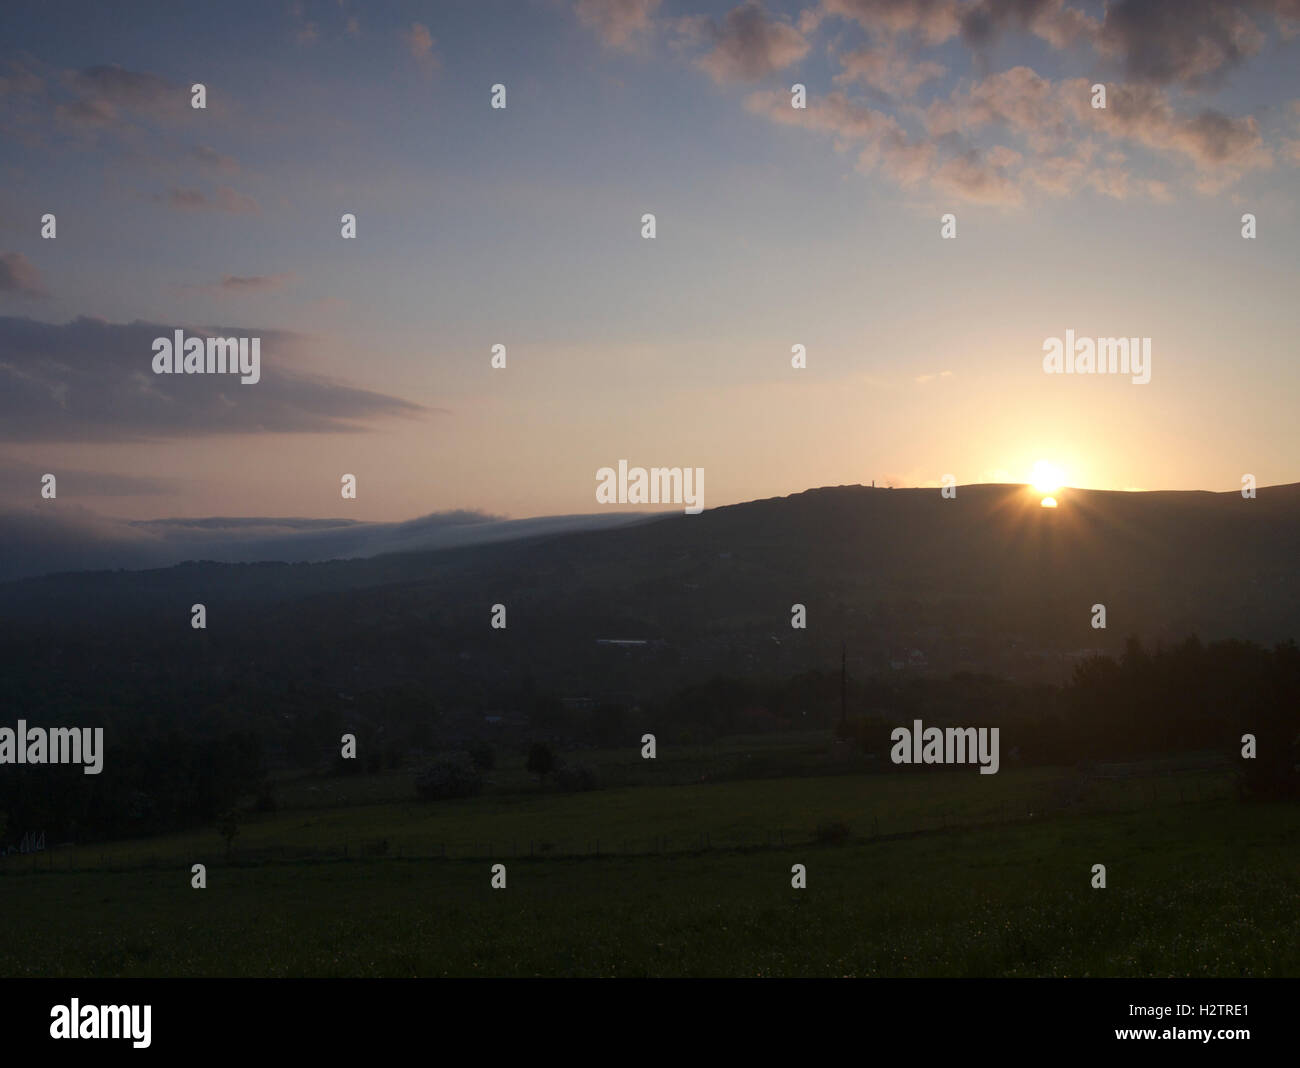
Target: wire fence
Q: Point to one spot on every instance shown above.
(1070, 794)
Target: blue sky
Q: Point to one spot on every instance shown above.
(521, 226)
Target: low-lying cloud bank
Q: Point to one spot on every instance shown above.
(41, 540)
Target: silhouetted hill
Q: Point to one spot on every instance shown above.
(989, 580)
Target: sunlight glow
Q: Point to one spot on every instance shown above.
(1046, 478)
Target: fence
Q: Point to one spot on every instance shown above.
(1083, 793)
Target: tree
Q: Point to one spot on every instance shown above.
(451, 776)
(541, 760)
(228, 828)
(572, 778)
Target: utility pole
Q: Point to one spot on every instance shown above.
(844, 692)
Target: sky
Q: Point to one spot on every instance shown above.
(521, 226)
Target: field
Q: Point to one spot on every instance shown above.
(947, 873)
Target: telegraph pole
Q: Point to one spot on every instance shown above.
(844, 691)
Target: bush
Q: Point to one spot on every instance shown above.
(342, 765)
(483, 755)
(541, 761)
(266, 801)
(575, 777)
(454, 776)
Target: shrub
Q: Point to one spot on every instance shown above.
(541, 761)
(454, 776)
(575, 777)
(483, 755)
(266, 801)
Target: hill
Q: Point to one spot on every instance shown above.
(988, 581)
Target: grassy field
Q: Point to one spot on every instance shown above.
(327, 818)
(948, 873)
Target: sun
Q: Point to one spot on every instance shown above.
(1046, 478)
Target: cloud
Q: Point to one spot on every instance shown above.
(618, 22)
(1057, 141)
(1161, 42)
(112, 96)
(1222, 147)
(1166, 41)
(933, 21)
(59, 536)
(981, 177)
(887, 146)
(1051, 115)
(20, 80)
(22, 479)
(833, 113)
(214, 160)
(419, 42)
(1052, 20)
(254, 283)
(87, 112)
(748, 45)
(130, 89)
(1059, 131)
(1019, 99)
(106, 107)
(19, 275)
(224, 199)
(889, 71)
(91, 380)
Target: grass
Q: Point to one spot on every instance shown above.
(1206, 887)
(726, 814)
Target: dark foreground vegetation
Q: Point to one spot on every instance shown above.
(162, 775)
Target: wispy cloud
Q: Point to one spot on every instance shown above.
(213, 160)
(1012, 134)
(64, 536)
(19, 276)
(91, 380)
(748, 45)
(923, 379)
(255, 283)
(419, 43)
(620, 23)
(222, 199)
